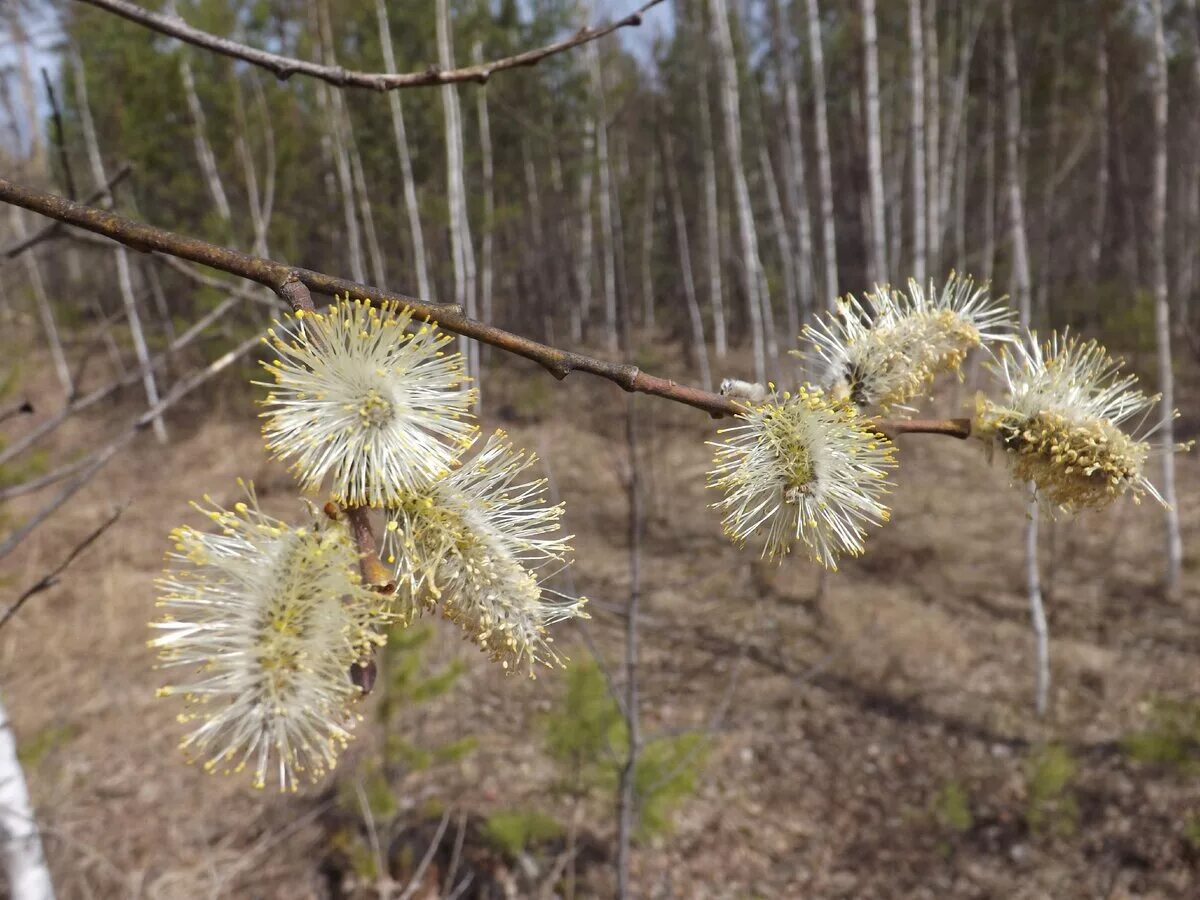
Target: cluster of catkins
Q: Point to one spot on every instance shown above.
(811, 467)
(268, 619)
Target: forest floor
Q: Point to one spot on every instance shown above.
(874, 740)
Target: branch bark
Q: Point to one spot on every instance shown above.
(284, 67)
(277, 275)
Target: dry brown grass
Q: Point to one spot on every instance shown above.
(849, 711)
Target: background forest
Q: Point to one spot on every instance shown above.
(684, 195)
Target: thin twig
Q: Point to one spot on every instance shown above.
(414, 883)
(98, 460)
(284, 67)
(50, 579)
(276, 275)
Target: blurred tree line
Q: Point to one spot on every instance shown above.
(607, 171)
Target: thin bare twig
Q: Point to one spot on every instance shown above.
(284, 67)
(101, 457)
(275, 275)
(59, 143)
(50, 579)
(17, 409)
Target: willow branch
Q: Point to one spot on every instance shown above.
(283, 67)
(277, 275)
(51, 230)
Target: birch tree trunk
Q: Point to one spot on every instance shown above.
(699, 344)
(989, 174)
(489, 192)
(585, 257)
(204, 153)
(1162, 311)
(124, 274)
(609, 259)
(1189, 261)
(424, 288)
(461, 248)
(20, 841)
(648, 244)
(797, 271)
(916, 81)
(1021, 290)
(933, 136)
(878, 238)
(750, 266)
(824, 167)
(329, 102)
(712, 222)
(952, 152)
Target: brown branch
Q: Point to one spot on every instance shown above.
(284, 67)
(50, 579)
(51, 230)
(279, 276)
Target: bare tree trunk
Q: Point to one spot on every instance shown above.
(797, 272)
(917, 123)
(45, 311)
(648, 245)
(712, 221)
(699, 344)
(584, 258)
(1037, 610)
(124, 275)
(1012, 142)
(933, 136)
(329, 101)
(204, 152)
(751, 267)
(955, 158)
(878, 238)
(1021, 290)
(1050, 188)
(20, 841)
(989, 175)
(606, 199)
(489, 193)
(1162, 310)
(1188, 263)
(461, 248)
(424, 287)
(788, 262)
(824, 168)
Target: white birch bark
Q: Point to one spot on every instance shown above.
(489, 193)
(648, 244)
(798, 277)
(124, 275)
(20, 840)
(460, 234)
(1100, 209)
(917, 123)
(824, 165)
(424, 287)
(204, 153)
(933, 137)
(952, 152)
(878, 238)
(783, 240)
(712, 223)
(1162, 310)
(585, 253)
(750, 267)
(699, 344)
(608, 259)
(1021, 291)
